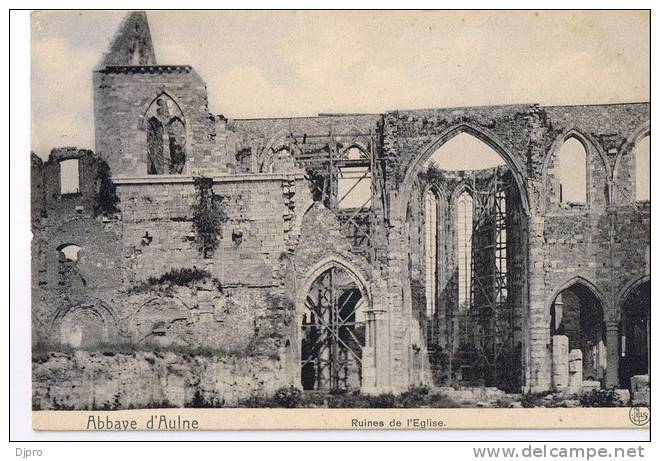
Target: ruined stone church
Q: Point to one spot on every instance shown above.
(333, 252)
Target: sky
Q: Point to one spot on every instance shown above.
(279, 64)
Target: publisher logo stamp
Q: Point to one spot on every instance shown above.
(640, 416)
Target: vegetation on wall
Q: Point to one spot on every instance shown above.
(176, 277)
(208, 216)
(432, 174)
(292, 397)
(319, 186)
(106, 199)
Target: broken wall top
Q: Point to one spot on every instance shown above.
(131, 44)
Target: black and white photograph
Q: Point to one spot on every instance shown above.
(352, 217)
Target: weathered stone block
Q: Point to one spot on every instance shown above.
(575, 371)
(622, 396)
(560, 368)
(640, 386)
(589, 386)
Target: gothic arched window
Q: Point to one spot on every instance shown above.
(431, 224)
(464, 229)
(166, 137)
(573, 172)
(176, 134)
(155, 159)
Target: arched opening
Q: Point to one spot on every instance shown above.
(163, 322)
(481, 271)
(68, 267)
(643, 169)
(134, 54)
(635, 334)
(333, 333)
(355, 153)
(268, 163)
(166, 137)
(276, 159)
(464, 227)
(431, 266)
(577, 314)
(83, 328)
(176, 133)
(573, 172)
(69, 252)
(155, 159)
(69, 176)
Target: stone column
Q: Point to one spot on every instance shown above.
(575, 371)
(369, 353)
(380, 352)
(613, 338)
(559, 363)
(539, 363)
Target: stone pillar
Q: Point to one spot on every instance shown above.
(559, 363)
(368, 368)
(380, 353)
(558, 305)
(539, 357)
(641, 390)
(396, 320)
(613, 338)
(369, 353)
(575, 371)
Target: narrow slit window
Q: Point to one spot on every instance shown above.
(431, 208)
(464, 229)
(69, 177)
(500, 246)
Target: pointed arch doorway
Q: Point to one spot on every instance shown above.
(333, 332)
(635, 334)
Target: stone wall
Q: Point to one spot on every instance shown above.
(59, 220)
(527, 137)
(85, 381)
(122, 97)
(158, 232)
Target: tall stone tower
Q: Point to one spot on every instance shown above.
(150, 119)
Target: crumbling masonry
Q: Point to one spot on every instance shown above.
(319, 275)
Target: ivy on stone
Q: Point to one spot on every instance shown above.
(208, 216)
(106, 199)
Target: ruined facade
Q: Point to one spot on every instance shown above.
(317, 268)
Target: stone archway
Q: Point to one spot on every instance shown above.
(578, 333)
(417, 164)
(162, 322)
(89, 323)
(486, 298)
(635, 335)
(334, 329)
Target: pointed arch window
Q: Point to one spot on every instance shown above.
(464, 229)
(431, 231)
(176, 135)
(573, 172)
(643, 169)
(166, 137)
